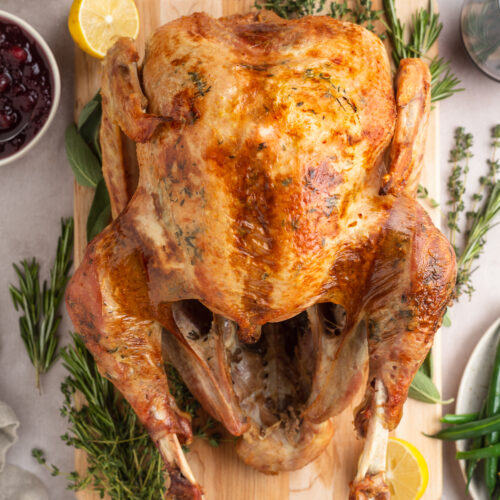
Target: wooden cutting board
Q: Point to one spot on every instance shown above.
(220, 472)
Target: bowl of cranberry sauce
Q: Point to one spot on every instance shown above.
(30, 87)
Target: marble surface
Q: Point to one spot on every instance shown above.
(36, 192)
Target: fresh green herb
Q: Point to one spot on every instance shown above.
(84, 154)
(480, 220)
(423, 33)
(93, 107)
(100, 211)
(444, 83)
(423, 194)
(203, 427)
(291, 8)
(39, 305)
(361, 13)
(89, 123)
(460, 155)
(447, 319)
(39, 456)
(423, 389)
(202, 87)
(83, 161)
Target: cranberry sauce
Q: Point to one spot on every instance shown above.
(25, 88)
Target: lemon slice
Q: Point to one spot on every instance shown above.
(407, 473)
(96, 24)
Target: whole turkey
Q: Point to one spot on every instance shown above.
(273, 250)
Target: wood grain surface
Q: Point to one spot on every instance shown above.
(220, 472)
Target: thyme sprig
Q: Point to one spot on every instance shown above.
(291, 8)
(204, 427)
(423, 194)
(39, 305)
(485, 208)
(460, 155)
(359, 12)
(362, 12)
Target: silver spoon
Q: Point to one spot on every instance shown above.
(8, 136)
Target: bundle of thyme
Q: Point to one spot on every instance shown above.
(291, 8)
(359, 12)
(485, 206)
(362, 12)
(39, 305)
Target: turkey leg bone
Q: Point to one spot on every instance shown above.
(411, 285)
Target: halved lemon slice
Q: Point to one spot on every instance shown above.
(96, 24)
(407, 473)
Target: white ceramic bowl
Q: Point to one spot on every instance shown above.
(55, 80)
(472, 391)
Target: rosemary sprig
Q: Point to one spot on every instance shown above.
(423, 33)
(479, 220)
(39, 305)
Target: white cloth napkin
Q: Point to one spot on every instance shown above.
(8, 430)
(15, 483)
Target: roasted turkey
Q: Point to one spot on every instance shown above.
(273, 250)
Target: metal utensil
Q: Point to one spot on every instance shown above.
(11, 134)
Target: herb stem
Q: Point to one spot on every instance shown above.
(39, 305)
(479, 220)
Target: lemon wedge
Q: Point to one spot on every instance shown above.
(96, 24)
(407, 473)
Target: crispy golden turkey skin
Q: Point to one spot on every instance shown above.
(274, 245)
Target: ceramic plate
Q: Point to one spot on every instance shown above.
(472, 391)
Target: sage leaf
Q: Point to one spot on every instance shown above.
(447, 319)
(100, 211)
(88, 110)
(89, 124)
(427, 366)
(423, 389)
(83, 161)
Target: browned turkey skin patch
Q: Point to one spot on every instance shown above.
(278, 172)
